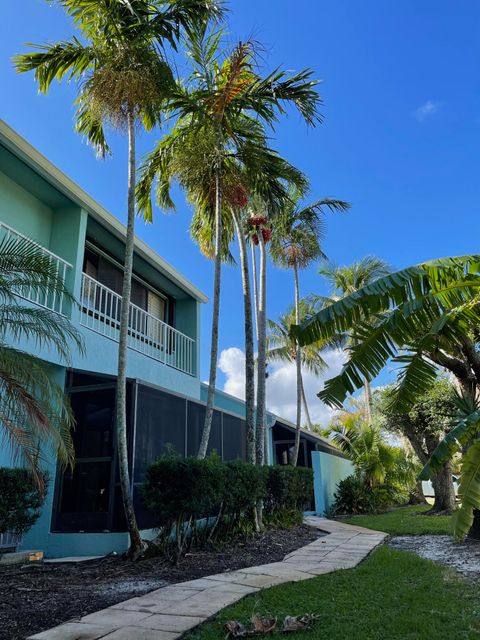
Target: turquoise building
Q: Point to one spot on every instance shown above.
(166, 399)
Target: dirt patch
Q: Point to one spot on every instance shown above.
(462, 556)
(36, 597)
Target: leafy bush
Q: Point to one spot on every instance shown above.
(198, 501)
(289, 493)
(355, 496)
(20, 500)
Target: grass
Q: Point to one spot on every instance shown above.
(405, 521)
(393, 595)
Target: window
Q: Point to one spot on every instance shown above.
(195, 422)
(85, 493)
(106, 272)
(160, 425)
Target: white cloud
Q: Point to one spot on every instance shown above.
(281, 384)
(232, 364)
(424, 111)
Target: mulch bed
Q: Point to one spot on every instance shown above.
(35, 597)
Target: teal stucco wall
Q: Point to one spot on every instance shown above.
(328, 471)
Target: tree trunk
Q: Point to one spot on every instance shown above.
(368, 401)
(136, 545)
(261, 357)
(444, 492)
(305, 406)
(416, 496)
(202, 451)
(298, 363)
(255, 288)
(249, 348)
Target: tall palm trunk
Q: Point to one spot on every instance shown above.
(298, 362)
(249, 349)
(261, 356)
(305, 405)
(255, 287)
(136, 545)
(202, 451)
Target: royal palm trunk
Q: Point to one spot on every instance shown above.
(249, 348)
(261, 357)
(202, 451)
(298, 363)
(305, 404)
(136, 545)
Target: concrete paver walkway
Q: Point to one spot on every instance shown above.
(167, 613)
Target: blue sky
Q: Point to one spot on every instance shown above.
(400, 141)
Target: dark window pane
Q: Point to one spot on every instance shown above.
(195, 422)
(234, 433)
(93, 412)
(160, 422)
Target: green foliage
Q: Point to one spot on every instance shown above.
(200, 501)
(119, 63)
(354, 496)
(376, 461)
(469, 491)
(20, 500)
(219, 139)
(282, 347)
(289, 493)
(419, 309)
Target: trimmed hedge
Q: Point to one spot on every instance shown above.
(20, 500)
(198, 501)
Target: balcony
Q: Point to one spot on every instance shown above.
(100, 312)
(52, 301)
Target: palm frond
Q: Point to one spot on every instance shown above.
(53, 62)
(469, 492)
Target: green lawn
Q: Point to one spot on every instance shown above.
(393, 595)
(404, 521)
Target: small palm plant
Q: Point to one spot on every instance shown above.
(281, 347)
(34, 412)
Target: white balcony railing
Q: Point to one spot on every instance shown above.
(54, 301)
(100, 311)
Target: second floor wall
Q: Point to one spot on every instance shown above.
(87, 247)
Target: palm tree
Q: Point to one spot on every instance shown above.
(34, 412)
(124, 80)
(345, 281)
(281, 347)
(375, 460)
(295, 245)
(219, 136)
(429, 317)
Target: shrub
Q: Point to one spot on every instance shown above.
(20, 500)
(198, 501)
(289, 493)
(355, 496)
